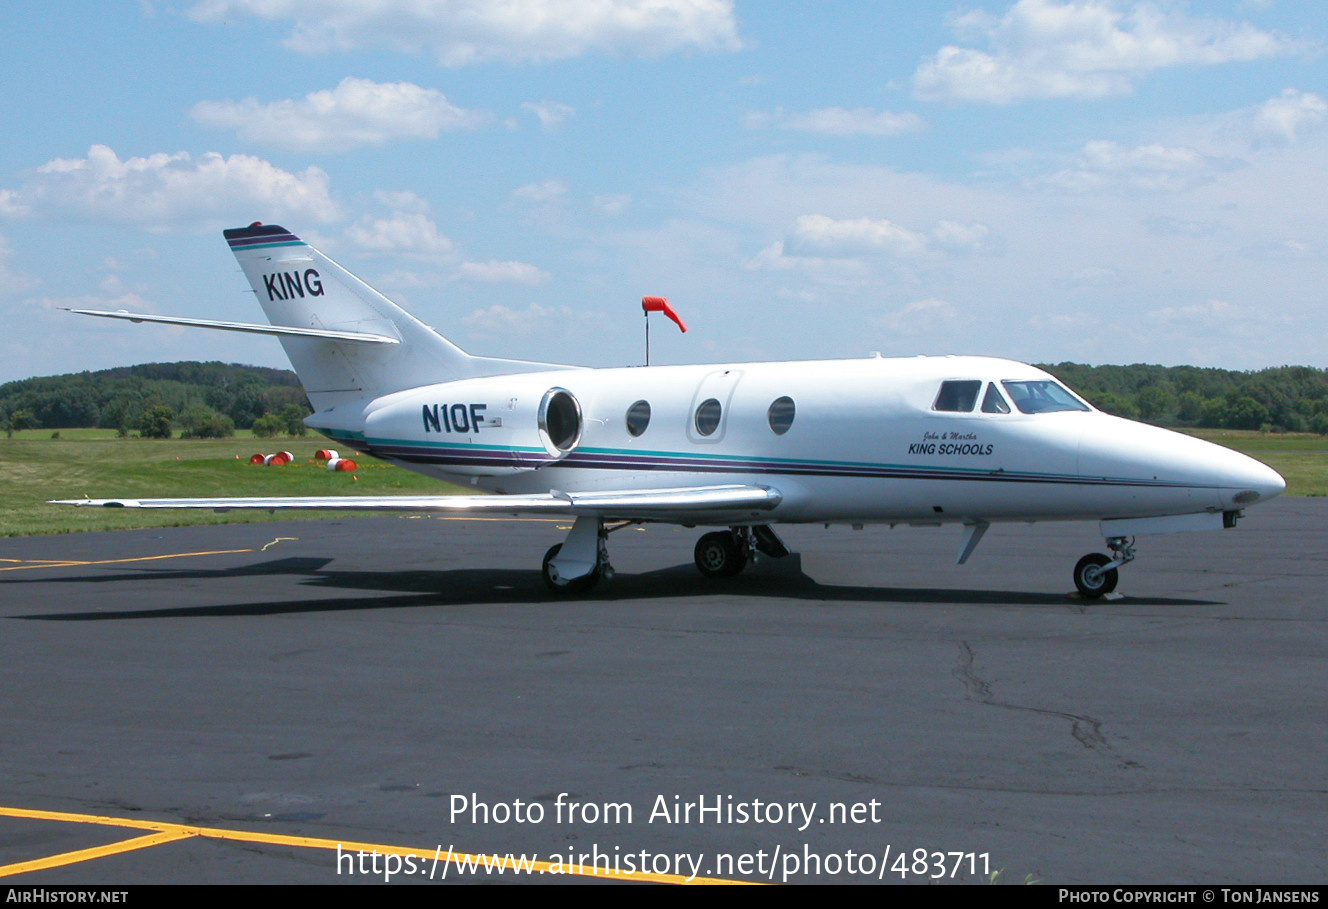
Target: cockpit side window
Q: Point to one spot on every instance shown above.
(958, 395)
(1041, 396)
(992, 402)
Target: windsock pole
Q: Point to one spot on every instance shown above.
(658, 304)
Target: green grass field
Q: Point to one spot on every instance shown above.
(93, 463)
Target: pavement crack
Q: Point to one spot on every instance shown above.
(1086, 730)
(976, 688)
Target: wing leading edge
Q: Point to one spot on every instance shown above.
(649, 504)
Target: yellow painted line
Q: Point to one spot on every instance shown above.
(96, 852)
(75, 563)
(168, 832)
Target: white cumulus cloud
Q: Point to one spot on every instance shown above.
(358, 112)
(12, 282)
(409, 233)
(612, 204)
(460, 32)
(1290, 115)
(494, 272)
(541, 193)
(1209, 311)
(838, 121)
(549, 113)
(166, 189)
(818, 235)
(1081, 49)
(824, 237)
(918, 317)
(1103, 164)
(499, 319)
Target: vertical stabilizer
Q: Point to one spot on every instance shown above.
(299, 287)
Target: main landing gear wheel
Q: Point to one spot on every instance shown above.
(575, 585)
(719, 555)
(1091, 580)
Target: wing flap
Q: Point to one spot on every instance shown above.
(646, 504)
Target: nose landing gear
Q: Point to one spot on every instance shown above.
(1095, 574)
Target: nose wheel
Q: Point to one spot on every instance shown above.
(1093, 578)
(1095, 574)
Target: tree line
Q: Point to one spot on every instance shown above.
(206, 400)
(200, 400)
(1277, 399)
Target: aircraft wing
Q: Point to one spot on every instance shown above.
(674, 505)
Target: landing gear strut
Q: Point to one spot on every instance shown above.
(585, 562)
(559, 584)
(1095, 574)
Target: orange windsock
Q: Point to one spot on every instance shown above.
(661, 304)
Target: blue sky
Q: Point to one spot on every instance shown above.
(1105, 182)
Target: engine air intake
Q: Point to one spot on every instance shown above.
(559, 421)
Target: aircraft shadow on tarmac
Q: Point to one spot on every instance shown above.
(467, 587)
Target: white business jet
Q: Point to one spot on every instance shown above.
(925, 440)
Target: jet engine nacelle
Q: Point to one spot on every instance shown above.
(479, 427)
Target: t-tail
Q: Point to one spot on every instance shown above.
(354, 344)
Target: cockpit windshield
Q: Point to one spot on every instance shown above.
(1041, 396)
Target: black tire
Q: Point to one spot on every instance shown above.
(1091, 580)
(576, 585)
(718, 555)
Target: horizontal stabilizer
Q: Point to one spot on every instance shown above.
(649, 504)
(281, 330)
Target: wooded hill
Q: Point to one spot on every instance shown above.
(200, 398)
(1278, 399)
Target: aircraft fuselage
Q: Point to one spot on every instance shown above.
(844, 441)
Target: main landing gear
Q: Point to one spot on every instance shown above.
(1095, 574)
(578, 563)
(725, 553)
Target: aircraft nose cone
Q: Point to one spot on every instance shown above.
(1212, 475)
(1260, 483)
(1242, 481)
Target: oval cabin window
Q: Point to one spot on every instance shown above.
(707, 416)
(638, 418)
(780, 415)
